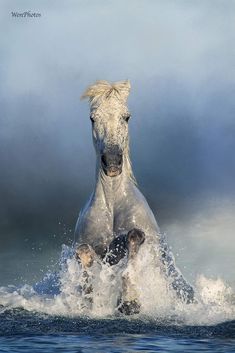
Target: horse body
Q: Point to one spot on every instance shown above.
(115, 207)
(117, 215)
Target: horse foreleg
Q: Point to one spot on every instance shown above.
(86, 256)
(130, 299)
(126, 245)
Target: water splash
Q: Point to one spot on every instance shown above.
(62, 293)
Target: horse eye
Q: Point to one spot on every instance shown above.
(127, 117)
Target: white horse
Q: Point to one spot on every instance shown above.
(117, 219)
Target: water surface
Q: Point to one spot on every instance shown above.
(24, 331)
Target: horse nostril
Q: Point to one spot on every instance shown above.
(104, 160)
(119, 159)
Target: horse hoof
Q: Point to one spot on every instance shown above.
(129, 307)
(135, 238)
(85, 254)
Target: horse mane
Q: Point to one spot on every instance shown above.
(129, 167)
(104, 90)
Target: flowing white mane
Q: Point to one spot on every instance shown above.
(103, 90)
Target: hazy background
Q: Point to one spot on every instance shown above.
(180, 58)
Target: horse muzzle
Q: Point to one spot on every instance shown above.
(112, 163)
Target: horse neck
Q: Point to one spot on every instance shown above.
(109, 188)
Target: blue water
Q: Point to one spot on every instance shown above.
(23, 331)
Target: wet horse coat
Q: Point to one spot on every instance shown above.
(116, 205)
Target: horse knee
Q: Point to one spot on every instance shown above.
(85, 255)
(135, 238)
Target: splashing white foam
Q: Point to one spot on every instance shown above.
(62, 294)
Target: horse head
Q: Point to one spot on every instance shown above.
(109, 116)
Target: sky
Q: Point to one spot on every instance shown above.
(179, 56)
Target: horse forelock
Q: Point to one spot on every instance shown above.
(104, 91)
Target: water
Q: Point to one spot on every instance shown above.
(23, 331)
(55, 315)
